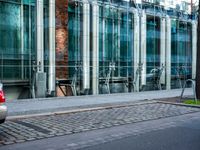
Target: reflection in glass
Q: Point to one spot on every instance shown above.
(17, 40)
(181, 51)
(116, 46)
(75, 22)
(153, 53)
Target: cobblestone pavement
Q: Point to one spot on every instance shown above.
(35, 128)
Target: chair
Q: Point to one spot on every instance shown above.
(70, 83)
(181, 75)
(156, 76)
(108, 76)
(137, 75)
(193, 81)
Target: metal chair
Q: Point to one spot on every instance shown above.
(181, 75)
(156, 76)
(108, 76)
(137, 76)
(193, 81)
(71, 83)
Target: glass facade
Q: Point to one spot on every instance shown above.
(17, 39)
(153, 51)
(99, 46)
(181, 45)
(115, 45)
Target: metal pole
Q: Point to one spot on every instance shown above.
(143, 47)
(40, 36)
(168, 53)
(136, 46)
(194, 48)
(22, 42)
(118, 42)
(52, 74)
(95, 47)
(162, 48)
(86, 45)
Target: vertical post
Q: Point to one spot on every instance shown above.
(40, 36)
(194, 48)
(143, 47)
(103, 40)
(136, 46)
(168, 53)
(162, 47)
(51, 75)
(40, 75)
(95, 48)
(22, 41)
(118, 41)
(29, 46)
(198, 56)
(86, 45)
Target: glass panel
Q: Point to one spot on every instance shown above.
(116, 48)
(46, 35)
(75, 23)
(181, 53)
(10, 40)
(153, 52)
(17, 40)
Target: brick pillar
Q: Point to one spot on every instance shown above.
(61, 39)
(61, 42)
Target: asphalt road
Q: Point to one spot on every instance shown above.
(172, 133)
(177, 138)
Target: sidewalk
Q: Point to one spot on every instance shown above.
(59, 104)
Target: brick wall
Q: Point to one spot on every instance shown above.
(61, 39)
(62, 43)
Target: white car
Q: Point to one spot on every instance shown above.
(3, 107)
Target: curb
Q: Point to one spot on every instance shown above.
(10, 118)
(180, 104)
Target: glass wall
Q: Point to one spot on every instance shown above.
(131, 46)
(181, 52)
(17, 39)
(75, 41)
(115, 45)
(115, 48)
(153, 52)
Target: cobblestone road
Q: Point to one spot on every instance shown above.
(35, 128)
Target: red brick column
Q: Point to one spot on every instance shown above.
(61, 42)
(61, 39)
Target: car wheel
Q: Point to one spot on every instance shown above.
(2, 121)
